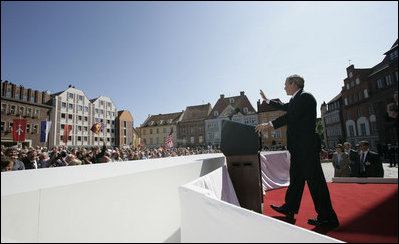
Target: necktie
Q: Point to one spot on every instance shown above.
(363, 157)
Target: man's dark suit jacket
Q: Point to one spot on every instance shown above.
(301, 124)
(355, 163)
(373, 165)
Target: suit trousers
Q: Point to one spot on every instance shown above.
(306, 167)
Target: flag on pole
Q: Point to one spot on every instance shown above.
(95, 128)
(67, 130)
(19, 129)
(169, 140)
(45, 130)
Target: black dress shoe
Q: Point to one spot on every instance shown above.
(324, 222)
(283, 210)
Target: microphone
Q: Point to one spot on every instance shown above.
(235, 111)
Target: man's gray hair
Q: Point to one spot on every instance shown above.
(297, 79)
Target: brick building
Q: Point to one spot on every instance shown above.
(192, 126)
(20, 102)
(272, 138)
(124, 132)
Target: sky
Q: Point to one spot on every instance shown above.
(160, 57)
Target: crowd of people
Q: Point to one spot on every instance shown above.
(21, 158)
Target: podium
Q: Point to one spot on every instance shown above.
(241, 145)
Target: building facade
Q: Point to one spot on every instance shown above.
(191, 129)
(358, 111)
(20, 102)
(222, 109)
(72, 107)
(156, 129)
(383, 83)
(332, 120)
(275, 138)
(124, 132)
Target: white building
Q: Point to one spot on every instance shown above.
(72, 107)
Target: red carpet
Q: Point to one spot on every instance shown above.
(367, 212)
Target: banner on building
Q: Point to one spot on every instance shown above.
(45, 130)
(19, 129)
(67, 130)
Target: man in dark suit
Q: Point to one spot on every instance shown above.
(304, 146)
(371, 161)
(354, 158)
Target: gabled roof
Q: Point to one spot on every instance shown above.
(236, 102)
(265, 107)
(162, 119)
(198, 112)
(335, 98)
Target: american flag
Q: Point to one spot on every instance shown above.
(169, 140)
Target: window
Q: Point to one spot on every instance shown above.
(101, 112)
(347, 86)
(96, 111)
(8, 93)
(350, 74)
(348, 115)
(85, 118)
(351, 131)
(393, 55)
(388, 80)
(346, 101)
(79, 138)
(363, 129)
(28, 112)
(379, 83)
(69, 116)
(80, 98)
(157, 130)
(10, 126)
(371, 109)
(3, 107)
(34, 129)
(245, 110)
(352, 83)
(79, 128)
(151, 132)
(63, 105)
(70, 106)
(80, 118)
(32, 99)
(231, 100)
(357, 81)
(12, 109)
(21, 110)
(359, 112)
(101, 103)
(36, 112)
(109, 104)
(62, 126)
(70, 95)
(17, 95)
(86, 109)
(80, 108)
(62, 116)
(366, 94)
(3, 125)
(216, 113)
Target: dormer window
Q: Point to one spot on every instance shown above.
(245, 110)
(152, 123)
(231, 100)
(169, 121)
(216, 113)
(160, 122)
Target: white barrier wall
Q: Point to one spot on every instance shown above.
(135, 201)
(208, 219)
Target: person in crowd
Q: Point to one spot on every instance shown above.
(341, 162)
(370, 162)
(354, 160)
(7, 164)
(12, 152)
(30, 161)
(44, 160)
(304, 146)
